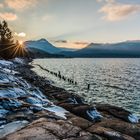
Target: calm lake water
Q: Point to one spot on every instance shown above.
(113, 81)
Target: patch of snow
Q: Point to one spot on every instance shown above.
(73, 100)
(12, 127)
(2, 122)
(133, 118)
(59, 111)
(113, 134)
(94, 114)
(10, 104)
(12, 88)
(19, 60)
(3, 113)
(34, 101)
(5, 63)
(7, 78)
(37, 93)
(12, 93)
(9, 71)
(22, 83)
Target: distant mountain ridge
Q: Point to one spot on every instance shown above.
(43, 45)
(122, 49)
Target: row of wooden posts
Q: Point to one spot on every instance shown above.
(60, 76)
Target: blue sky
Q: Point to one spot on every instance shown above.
(73, 23)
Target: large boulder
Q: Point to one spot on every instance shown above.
(83, 110)
(118, 112)
(43, 129)
(110, 134)
(123, 127)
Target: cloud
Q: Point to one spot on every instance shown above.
(1, 5)
(22, 34)
(47, 18)
(99, 0)
(75, 43)
(81, 43)
(70, 44)
(61, 41)
(8, 16)
(20, 4)
(117, 11)
(108, 1)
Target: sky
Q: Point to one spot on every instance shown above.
(73, 23)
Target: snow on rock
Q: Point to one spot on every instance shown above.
(19, 61)
(113, 134)
(3, 113)
(133, 118)
(12, 127)
(15, 94)
(94, 114)
(19, 96)
(5, 63)
(10, 104)
(9, 71)
(59, 111)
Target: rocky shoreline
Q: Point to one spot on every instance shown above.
(33, 109)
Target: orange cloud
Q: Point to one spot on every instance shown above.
(20, 4)
(70, 44)
(109, 1)
(81, 43)
(61, 41)
(22, 34)
(8, 16)
(116, 11)
(1, 5)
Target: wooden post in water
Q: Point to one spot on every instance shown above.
(59, 74)
(75, 83)
(88, 87)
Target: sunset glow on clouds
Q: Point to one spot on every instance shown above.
(20, 4)
(20, 34)
(16, 5)
(8, 16)
(70, 44)
(1, 5)
(73, 23)
(116, 11)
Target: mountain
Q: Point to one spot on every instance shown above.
(68, 49)
(123, 49)
(36, 53)
(42, 45)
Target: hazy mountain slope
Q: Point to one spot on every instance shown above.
(43, 45)
(68, 49)
(123, 49)
(37, 53)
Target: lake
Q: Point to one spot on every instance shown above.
(112, 80)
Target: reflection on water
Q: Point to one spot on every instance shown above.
(114, 81)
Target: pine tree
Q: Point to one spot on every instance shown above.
(8, 48)
(5, 33)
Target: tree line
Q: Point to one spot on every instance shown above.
(8, 47)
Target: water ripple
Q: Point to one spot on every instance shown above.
(114, 81)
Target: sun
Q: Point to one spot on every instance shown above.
(20, 49)
(21, 42)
